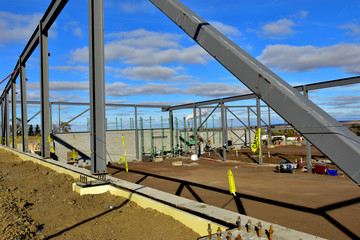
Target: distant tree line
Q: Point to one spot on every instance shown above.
(34, 132)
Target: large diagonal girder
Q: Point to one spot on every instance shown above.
(323, 131)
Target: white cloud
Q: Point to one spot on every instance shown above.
(71, 68)
(73, 27)
(78, 32)
(280, 29)
(116, 101)
(215, 90)
(288, 58)
(33, 96)
(143, 47)
(61, 85)
(344, 101)
(135, 6)
(146, 39)
(80, 55)
(154, 72)
(225, 29)
(303, 14)
(16, 27)
(121, 89)
(354, 29)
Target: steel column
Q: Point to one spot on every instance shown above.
(136, 134)
(248, 126)
(171, 128)
(51, 121)
(2, 122)
(270, 142)
(195, 131)
(97, 87)
(44, 90)
(24, 125)
(7, 121)
(308, 144)
(200, 119)
(258, 116)
(185, 138)
(223, 123)
(13, 113)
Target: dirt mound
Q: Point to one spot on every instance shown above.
(38, 203)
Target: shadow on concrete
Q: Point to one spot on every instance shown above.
(70, 147)
(321, 211)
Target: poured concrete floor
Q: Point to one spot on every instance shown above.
(326, 206)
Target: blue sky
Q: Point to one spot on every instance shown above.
(150, 60)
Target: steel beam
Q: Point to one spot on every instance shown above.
(44, 90)
(80, 114)
(97, 87)
(6, 120)
(312, 86)
(329, 136)
(209, 102)
(48, 19)
(24, 125)
(202, 123)
(236, 117)
(13, 113)
(106, 104)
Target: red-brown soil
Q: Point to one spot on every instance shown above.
(38, 203)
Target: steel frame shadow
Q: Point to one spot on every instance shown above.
(87, 220)
(321, 211)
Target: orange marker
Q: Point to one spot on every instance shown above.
(219, 233)
(271, 232)
(249, 226)
(259, 229)
(238, 223)
(209, 230)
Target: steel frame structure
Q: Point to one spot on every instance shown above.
(318, 127)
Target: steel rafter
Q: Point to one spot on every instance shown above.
(48, 19)
(322, 130)
(308, 87)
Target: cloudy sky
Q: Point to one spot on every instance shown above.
(148, 59)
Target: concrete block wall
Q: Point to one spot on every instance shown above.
(64, 142)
